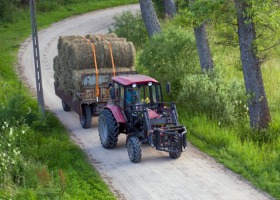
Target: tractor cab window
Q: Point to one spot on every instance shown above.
(131, 95)
(150, 94)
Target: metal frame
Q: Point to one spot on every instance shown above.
(38, 76)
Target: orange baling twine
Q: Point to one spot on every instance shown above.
(96, 67)
(112, 58)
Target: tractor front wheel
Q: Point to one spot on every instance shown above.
(108, 128)
(177, 154)
(174, 155)
(134, 149)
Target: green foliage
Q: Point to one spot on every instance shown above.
(65, 171)
(158, 5)
(213, 95)
(257, 162)
(169, 56)
(7, 7)
(132, 27)
(40, 160)
(16, 108)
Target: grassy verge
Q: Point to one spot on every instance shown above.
(258, 162)
(38, 159)
(253, 155)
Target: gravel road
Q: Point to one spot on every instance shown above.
(193, 176)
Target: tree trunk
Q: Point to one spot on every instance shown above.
(150, 17)
(205, 56)
(258, 106)
(169, 8)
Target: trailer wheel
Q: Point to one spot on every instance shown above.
(134, 149)
(86, 117)
(108, 128)
(65, 107)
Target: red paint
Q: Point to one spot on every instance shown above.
(117, 113)
(130, 79)
(153, 115)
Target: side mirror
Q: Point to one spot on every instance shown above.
(112, 93)
(168, 86)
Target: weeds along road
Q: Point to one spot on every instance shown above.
(193, 176)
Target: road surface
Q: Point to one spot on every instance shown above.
(193, 176)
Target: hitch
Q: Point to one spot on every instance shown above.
(171, 139)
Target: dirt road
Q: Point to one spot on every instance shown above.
(193, 176)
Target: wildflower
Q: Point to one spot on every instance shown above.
(11, 131)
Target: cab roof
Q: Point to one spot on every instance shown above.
(130, 79)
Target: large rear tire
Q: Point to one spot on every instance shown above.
(86, 117)
(134, 149)
(108, 128)
(65, 107)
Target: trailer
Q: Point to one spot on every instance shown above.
(90, 99)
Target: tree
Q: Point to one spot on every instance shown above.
(258, 106)
(203, 48)
(150, 18)
(169, 8)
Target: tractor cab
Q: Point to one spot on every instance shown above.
(137, 109)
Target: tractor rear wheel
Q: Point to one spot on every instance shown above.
(86, 117)
(134, 149)
(108, 128)
(66, 107)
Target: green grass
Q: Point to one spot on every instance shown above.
(255, 156)
(258, 162)
(49, 165)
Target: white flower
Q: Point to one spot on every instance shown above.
(9, 144)
(11, 131)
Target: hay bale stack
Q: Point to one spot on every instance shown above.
(75, 64)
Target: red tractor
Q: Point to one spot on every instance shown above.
(136, 108)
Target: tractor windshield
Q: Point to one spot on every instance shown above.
(149, 93)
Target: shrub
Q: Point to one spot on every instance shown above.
(131, 26)
(7, 8)
(213, 95)
(169, 57)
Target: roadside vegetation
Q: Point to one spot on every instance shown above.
(213, 107)
(37, 158)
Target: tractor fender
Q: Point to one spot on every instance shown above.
(117, 113)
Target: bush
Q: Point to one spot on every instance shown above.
(213, 95)
(132, 27)
(169, 56)
(7, 7)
